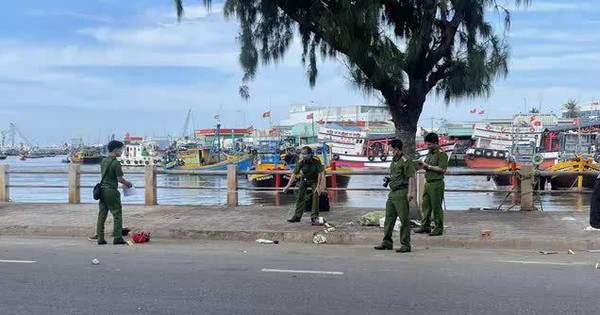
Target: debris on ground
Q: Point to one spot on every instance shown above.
(371, 218)
(485, 233)
(319, 239)
(95, 261)
(597, 265)
(568, 219)
(130, 243)
(543, 252)
(594, 251)
(589, 228)
(415, 223)
(264, 241)
(328, 230)
(570, 252)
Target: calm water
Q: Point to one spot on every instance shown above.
(454, 201)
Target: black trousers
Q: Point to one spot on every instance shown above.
(595, 206)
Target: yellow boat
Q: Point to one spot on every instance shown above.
(578, 164)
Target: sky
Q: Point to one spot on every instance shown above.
(93, 68)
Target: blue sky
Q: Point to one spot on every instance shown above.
(92, 68)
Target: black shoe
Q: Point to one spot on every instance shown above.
(294, 220)
(422, 230)
(101, 242)
(436, 233)
(125, 231)
(119, 241)
(383, 247)
(403, 249)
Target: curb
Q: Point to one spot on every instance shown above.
(338, 237)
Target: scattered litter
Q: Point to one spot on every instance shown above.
(371, 218)
(415, 223)
(589, 228)
(396, 226)
(597, 266)
(485, 233)
(319, 239)
(321, 220)
(130, 243)
(327, 224)
(264, 241)
(331, 229)
(570, 252)
(350, 223)
(543, 252)
(475, 209)
(568, 219)
(95, 261)
(594, 251)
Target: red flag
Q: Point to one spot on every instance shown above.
(537, 123)
(267, 114)
(576, 122)
(310, 116)
(321, 122)
(481, 112)
(473, 110)
(532, 118)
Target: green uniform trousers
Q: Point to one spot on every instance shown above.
(433, 197)
(397, 206)
(301, 199)
(110, 200)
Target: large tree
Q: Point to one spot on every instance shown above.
(400, 49)
(571, 109)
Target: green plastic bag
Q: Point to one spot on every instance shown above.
(371, 218)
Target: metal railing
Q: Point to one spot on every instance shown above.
(527, 177)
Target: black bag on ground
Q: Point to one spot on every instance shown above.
(97, 191)
(323, 202)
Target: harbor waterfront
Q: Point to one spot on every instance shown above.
(568, 201)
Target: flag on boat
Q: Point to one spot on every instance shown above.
(267, 114)
(321, 122)
(310, 116)
(473, 110)
(481, 112)
(576, 122)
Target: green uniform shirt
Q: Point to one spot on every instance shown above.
(310, 169)
(401, 170)
(110, 179)
(436, 157)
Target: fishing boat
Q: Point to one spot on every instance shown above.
(196, 157)
(139, 152)
(506, 176)
(356, 148)
(86, 156)
(271, 155)
(579, 164)
(3, 156)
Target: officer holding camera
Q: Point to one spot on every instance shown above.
(402, 185)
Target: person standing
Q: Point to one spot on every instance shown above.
(310, 172)
(402, 184)
(435, 165)
(110, 200)
(595, 205)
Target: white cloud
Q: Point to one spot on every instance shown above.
(74, 15)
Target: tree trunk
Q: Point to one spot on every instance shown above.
(406, 109)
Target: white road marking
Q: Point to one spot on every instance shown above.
(525, 262)
(304, 271)
(18, 261)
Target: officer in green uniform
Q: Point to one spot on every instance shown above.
(310, 172)
(402, 185)
(111, 198)
(435, 165)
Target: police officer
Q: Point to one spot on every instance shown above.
(112, 175)
(313, 176)
(435, 165)
(402, 184)
(595, 205)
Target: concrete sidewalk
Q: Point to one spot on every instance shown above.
(510, 230)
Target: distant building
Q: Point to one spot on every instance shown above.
(298, 114)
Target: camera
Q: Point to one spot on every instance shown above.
(386, 181)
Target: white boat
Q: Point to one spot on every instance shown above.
(139, 153)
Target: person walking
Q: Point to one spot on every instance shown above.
(435, 166)
(311, 173)
(402, 185)
(110, 200)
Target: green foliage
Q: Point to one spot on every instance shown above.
(572, 108)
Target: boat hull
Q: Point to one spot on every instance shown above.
(91, 160)
(569, 182)
(361, 161)
(502, 180)
(243, 164)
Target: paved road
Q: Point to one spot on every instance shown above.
(248, 278)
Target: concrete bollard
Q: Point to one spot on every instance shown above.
(4, 183)
(232, 185)
(527, 174)
(150, 186)
(74, 183)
